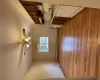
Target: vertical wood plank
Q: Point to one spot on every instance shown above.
(80, 38)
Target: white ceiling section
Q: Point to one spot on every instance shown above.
(67, 11)
(84, 3)
(64, 11)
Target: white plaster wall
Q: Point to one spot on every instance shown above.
(13, 18)
(44, 30)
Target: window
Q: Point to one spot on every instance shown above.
(42, 45)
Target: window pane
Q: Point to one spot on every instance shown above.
(43, 39)
(43, 47)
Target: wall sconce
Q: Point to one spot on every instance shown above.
(26, 39)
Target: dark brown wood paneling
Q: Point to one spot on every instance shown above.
(32, 8)
(59, 20)
(32, 13)
(79, 45)
(30, 3)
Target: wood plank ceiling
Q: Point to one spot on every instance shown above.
(33, 10)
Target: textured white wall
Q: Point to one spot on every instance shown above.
(13, 18)
(44, 30)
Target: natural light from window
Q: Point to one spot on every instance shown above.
(42, 44)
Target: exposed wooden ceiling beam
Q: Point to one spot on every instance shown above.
(33, 11)
(30, 8)
(58, 23)
(59, 20)
(30, 3)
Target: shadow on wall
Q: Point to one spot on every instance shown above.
(7, 48)
(21, 55)
(10, 47)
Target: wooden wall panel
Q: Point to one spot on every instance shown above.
(79, 45)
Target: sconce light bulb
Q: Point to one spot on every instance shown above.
(29, 38)
(26, 40)
(28, 45)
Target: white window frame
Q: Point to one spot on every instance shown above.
(38, 44)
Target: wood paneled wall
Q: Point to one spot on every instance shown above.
(79, 45)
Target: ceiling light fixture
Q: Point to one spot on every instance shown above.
(26, 39)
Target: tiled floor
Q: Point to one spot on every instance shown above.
(43, 70)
